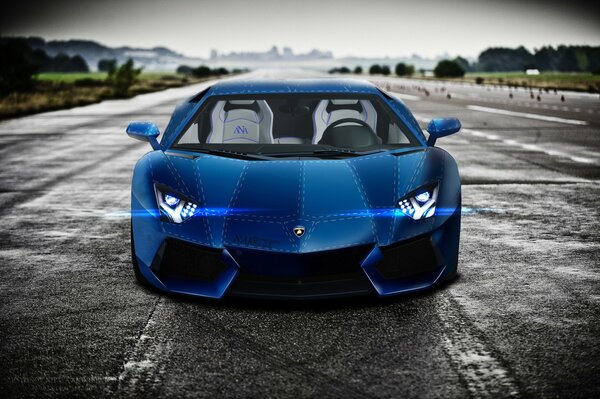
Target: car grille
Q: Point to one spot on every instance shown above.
(303, 266)
(295, 276)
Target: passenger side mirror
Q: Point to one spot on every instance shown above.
(144, 131)
(441, 127)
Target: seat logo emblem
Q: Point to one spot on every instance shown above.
(240, 130)
(299, 231)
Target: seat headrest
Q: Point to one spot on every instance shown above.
(344, 102)
(350, 105)
(251, 105)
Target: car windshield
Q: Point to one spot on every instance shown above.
(295, 125)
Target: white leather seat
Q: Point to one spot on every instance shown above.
(241, 121)
(329, 111)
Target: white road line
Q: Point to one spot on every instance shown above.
(528, 147)
(403, 96)
(527, 115)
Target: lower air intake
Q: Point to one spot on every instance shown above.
(181, 260)
(418, 257)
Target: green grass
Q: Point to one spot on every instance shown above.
(70, 77)
(73, 76)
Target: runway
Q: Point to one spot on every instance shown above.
(522, 319)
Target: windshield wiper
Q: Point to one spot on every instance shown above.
(225, 153)
(320, 152)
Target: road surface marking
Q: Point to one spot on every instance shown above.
(527, 115)
(403, 96)
(146, 361)
(528, 147)
(483, 373)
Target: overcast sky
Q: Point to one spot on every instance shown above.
(371, 28)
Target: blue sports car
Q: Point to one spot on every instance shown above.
(294, 189)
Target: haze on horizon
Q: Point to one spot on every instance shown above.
(374, 28)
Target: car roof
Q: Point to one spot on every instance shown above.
(266, 86)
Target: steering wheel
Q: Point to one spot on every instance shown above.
(346, 120)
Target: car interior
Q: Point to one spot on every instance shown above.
(351, 123)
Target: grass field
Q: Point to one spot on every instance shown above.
(55, 91)
(559, 80)
(74, 76)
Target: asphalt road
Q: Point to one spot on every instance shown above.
(522, 319)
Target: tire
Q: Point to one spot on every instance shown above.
(136, 267)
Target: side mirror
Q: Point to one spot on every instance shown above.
(441, 127)
(144, 131)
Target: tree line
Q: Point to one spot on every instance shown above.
(547, 58)
(18, 48)
(503, 59)
(444, 69)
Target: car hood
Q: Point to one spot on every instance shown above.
(337, 203)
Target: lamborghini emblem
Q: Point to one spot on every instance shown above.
(299, 231)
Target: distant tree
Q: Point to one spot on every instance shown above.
(78, 64)
(60, 63)
(448, 69)
(385, 70)
(16, 67)
(501, 59)
(105, 65)
(42, 60)
(64, 63)
(123, 77)
(547, 59)
(464, 63)
(358, 70)
(577, 58)
(202, 71)
(375, 69)
(339, 70)
(403, 69)
(184, 69)
(422, 71)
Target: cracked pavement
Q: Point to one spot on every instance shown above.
(522, 319)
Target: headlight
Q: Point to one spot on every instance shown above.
(172, 206)
(420, 204)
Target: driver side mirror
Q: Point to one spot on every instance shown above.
(441, 127)
(144, 131)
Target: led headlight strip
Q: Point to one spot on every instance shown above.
(420, 204)
(172, 206)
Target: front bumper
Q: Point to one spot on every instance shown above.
(411, 265)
